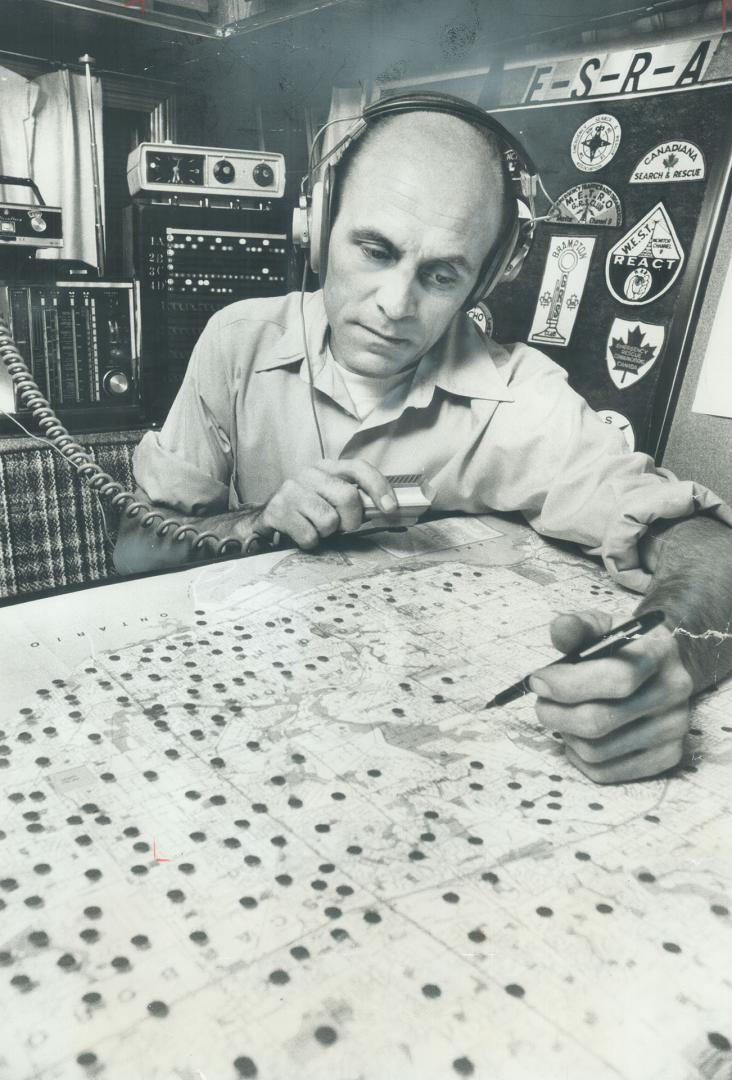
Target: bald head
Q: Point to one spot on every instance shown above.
(421, 206)
(455, 164)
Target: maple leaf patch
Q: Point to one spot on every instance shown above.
(670, 161)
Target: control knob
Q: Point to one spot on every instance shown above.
(223, 171)
(263, 174)
(116, 383)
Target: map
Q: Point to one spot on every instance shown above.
(256, 822)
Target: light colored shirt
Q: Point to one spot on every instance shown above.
(491, 427)
(368, 391)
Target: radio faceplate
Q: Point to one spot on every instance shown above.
(164, 167)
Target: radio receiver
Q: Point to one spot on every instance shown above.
(196, 170)
(29, 226)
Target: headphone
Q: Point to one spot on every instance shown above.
(312, 220)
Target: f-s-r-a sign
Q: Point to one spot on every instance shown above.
(664, 67)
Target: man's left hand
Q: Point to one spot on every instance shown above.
(622, 717)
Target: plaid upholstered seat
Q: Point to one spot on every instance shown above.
(51, 527)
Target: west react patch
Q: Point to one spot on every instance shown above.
(595, 142)
(562, 285)
(588, 204)
(632, 350)
(670, 162)
(645, 262)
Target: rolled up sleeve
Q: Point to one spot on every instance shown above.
(187, 465)
(574, 477)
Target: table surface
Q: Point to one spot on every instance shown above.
(254, 822)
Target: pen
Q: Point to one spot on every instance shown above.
(608, 645)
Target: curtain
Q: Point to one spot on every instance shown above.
(44, 132)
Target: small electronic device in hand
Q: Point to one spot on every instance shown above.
(412, 501)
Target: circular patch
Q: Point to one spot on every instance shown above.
(595, 142)
(483, 319)
(588, 204)
(616, 419)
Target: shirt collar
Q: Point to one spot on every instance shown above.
(462, 362)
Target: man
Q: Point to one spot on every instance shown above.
(404, 382)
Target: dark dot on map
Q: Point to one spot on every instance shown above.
(245, 1067)
(278, 841)
(719, 909)
(44, 868)
(141, 846)
(416, 855)
(279, 780)
(333, 912)
(431, 990)
(544, 821)
(33, 901)
(259, 808)
(719, 1042)
(515, 990)
(86, 1058)
(582, 856)
(594, 805)
(554, 806)
(428, 837)
(283, 879)
(193, 794)
(398, 712)
(325, 1035)
(323, 659)
(475, 786)
(477, 765)
(604, 909)
(150, 774)
(438, 699)
(231, 842)
(671, 947)
(488, 875)
(5, 959)
(25, 737)
(241, 823)
(158, 1008)
(299, 759)
(140, 941)
(337, 795)
(89, 936)
(200, 937)
(294, 802)
(405, 686)
(197, 836)
(131, 830)
(372, 917)
(338, 934)
(279, 977)
(344, 890)
(299, 952)
(545, 912)
(39, 938)
(37, 796)
(477, 936)
(514, 785)
(93, 912)
(475, 840)
(322, 828)
(108, 777)
(373, 772)
(92, 998)
(102, 819)
(121, 963)
(647, 876)
(354, 849)
(694, 731)
(652, 818)
(66, 962)
(725, 728)
(187, 868)
(252, 860)
(74, 820)
(139, 870)
(21, 981)
(431, 815)
(463, 1066)
(248, 902)
(217, 800)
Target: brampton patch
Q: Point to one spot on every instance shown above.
(562, 285)
(588, 204)
(595, 142)
(622, 423)
(632, 350)
(645, 262)
(670, 162)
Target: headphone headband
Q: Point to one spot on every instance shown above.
(312, 221)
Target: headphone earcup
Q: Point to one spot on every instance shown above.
(319, 228)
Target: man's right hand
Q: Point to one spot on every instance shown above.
(323, 499)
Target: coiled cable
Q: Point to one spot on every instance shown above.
(100, 482)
